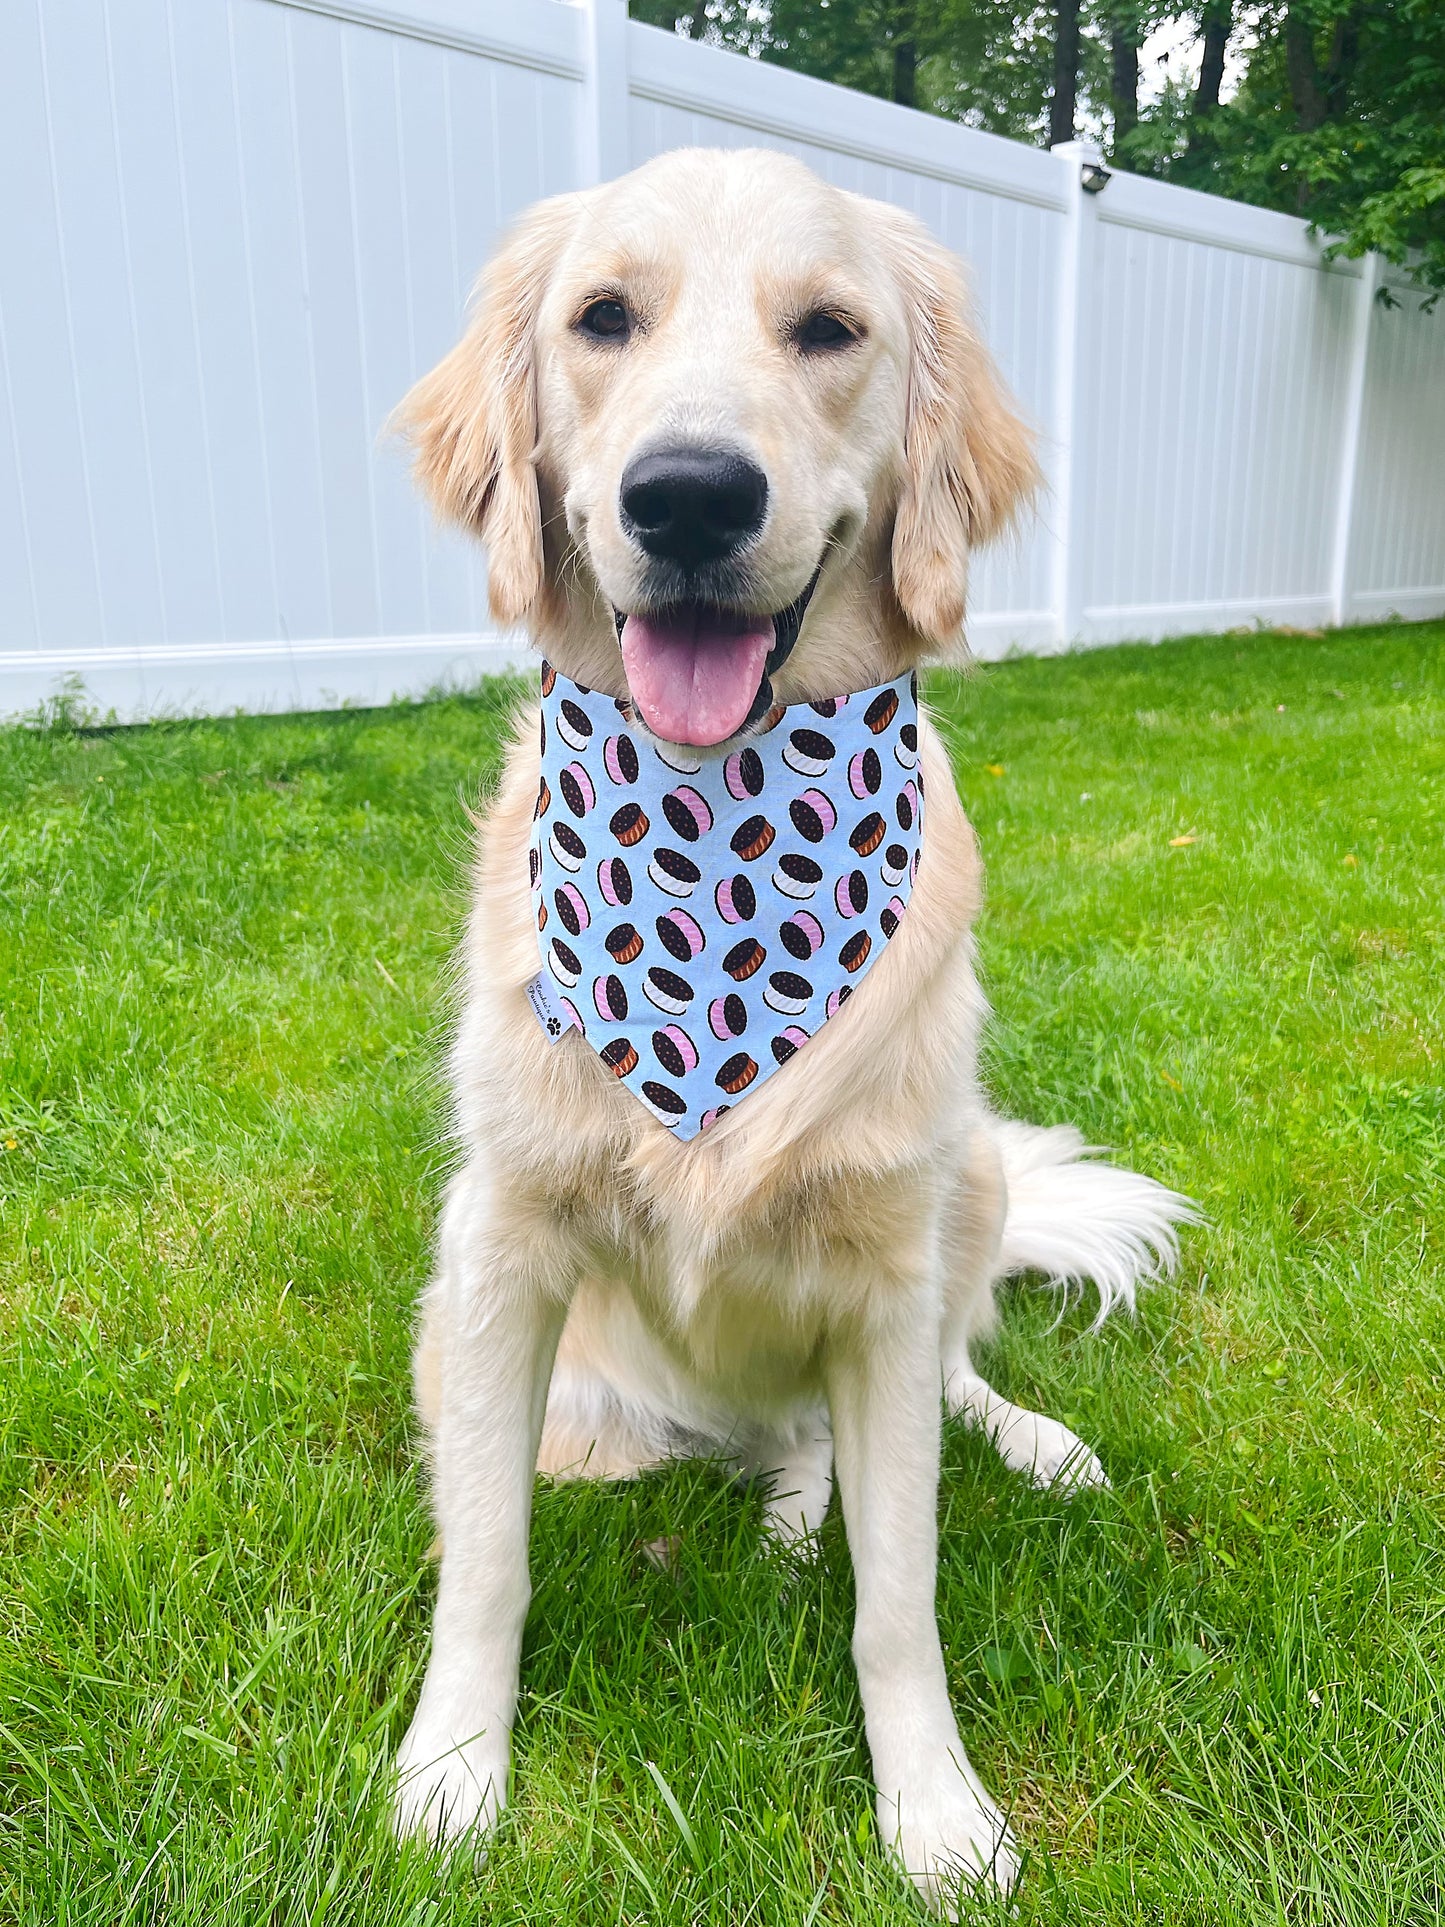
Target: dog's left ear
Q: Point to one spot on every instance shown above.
(968, 458)
(473, 420)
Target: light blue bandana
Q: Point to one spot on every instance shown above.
(700, 917)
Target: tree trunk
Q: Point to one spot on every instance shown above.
(1217, 22)
(1064, 100)
(1340, 69)
(905, 55)
(1302, 71)
(697, 24)
(905, 73)
(1124, 80)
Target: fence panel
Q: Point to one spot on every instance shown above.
(234, 231)
(1396, 557)
(1215, 360)
(234, 234)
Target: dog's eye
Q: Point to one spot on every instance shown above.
(823, 333)
(605, 320)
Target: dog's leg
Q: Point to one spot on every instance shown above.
(1047, 1452)
(504, 1315)
(799, 1475)
(932, 1808)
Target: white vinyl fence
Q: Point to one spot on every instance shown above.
(232, 232)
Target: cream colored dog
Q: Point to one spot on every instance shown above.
(798, 1285)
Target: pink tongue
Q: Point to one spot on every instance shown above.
(694, 677)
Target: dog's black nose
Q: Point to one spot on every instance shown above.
(693, 505)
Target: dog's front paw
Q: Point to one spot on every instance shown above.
(948, 1834)
(450, 1788)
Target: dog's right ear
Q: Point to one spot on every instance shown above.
(968, 462)
(473, 420)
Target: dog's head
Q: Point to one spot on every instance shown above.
(728, 435)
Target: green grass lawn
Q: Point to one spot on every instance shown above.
(1215, 939)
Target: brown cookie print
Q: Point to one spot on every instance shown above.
(881, 711)
(619, 1057)
(736, 1074)
(624, 944)
(869, 834)
(752, 839)
(854, 953)
(629, 824)
(744, 960)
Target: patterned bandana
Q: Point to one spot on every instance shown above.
(700, 917)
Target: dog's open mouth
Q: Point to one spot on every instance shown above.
(699, 674)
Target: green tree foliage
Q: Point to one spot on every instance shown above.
(1340, 114)
(970, 60)
(1341, 117)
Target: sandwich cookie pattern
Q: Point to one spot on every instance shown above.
(706, 914)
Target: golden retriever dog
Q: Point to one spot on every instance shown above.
(729, 437)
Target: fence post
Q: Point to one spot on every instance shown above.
(604, 148)
(1075, 282)
(1354, 408)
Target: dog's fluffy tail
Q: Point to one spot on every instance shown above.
(1075, 1218)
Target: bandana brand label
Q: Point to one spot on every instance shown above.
(551, 1013)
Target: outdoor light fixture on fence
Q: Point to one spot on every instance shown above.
(1094, 177)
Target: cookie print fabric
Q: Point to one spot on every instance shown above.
(701, 916)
